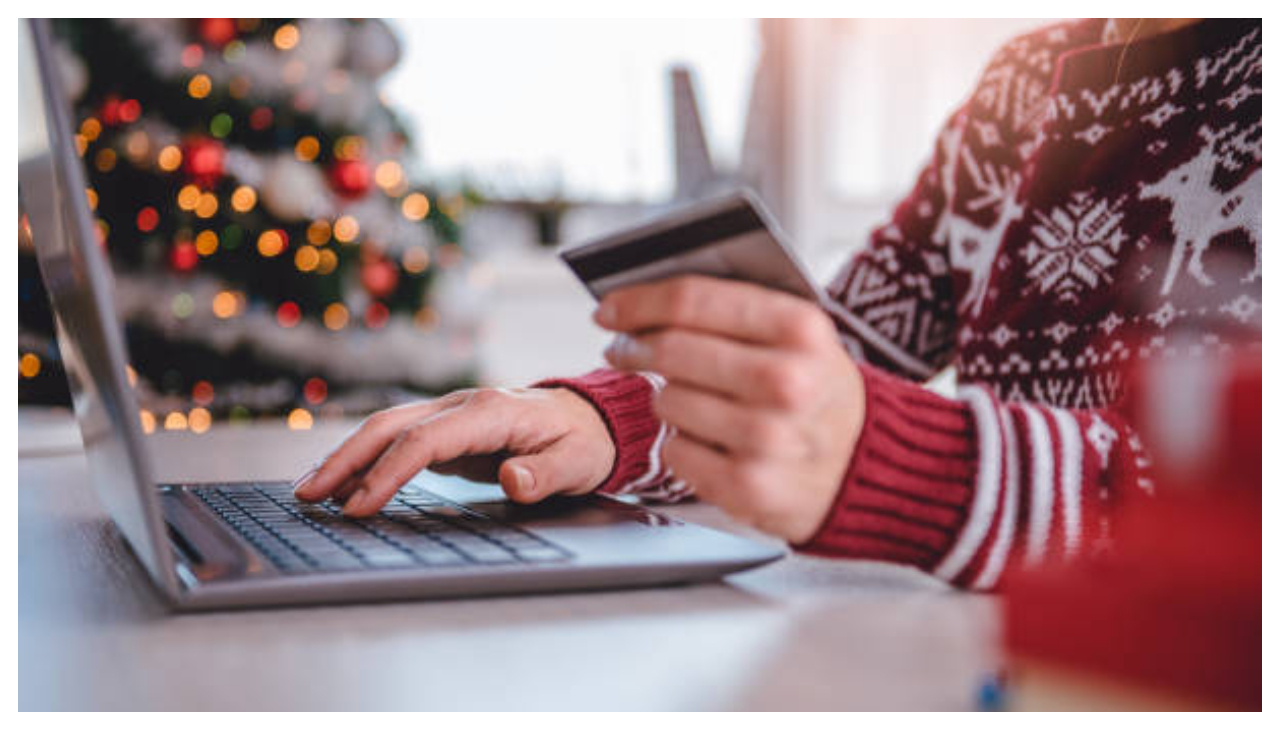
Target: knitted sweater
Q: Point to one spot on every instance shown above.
(1082, 201)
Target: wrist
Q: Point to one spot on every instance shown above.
(851, 412)
(586, 419)
(623, 401)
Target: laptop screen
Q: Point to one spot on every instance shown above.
(51, 195)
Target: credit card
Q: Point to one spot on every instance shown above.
(731, 237)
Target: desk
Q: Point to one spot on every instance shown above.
(803, 633)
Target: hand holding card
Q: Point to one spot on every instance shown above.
(763, 403)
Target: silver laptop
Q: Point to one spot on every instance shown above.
(245, 544)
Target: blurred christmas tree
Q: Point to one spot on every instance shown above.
(255, 195)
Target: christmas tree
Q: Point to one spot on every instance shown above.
(274, 248)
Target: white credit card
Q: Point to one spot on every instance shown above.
(731, 237)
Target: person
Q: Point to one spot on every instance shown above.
(1094, 158)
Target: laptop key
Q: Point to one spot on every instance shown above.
(415, 528)
(390, 559)
(338, 562)
(540, 555)
(480, 550)
(440, 557)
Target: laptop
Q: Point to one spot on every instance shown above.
(222, 545)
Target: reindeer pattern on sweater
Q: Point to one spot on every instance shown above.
(1073, 171)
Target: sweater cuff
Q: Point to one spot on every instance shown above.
(624, 401)
(909, 486)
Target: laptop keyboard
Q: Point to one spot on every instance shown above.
(416, 529)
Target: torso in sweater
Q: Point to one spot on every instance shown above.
(1086, 201)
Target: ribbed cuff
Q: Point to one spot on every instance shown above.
(625, 401)
(909, 485)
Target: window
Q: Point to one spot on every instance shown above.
(863, 101)
(572, 108)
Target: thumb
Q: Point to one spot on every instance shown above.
(557, 469)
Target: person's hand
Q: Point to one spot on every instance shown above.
(766, 402)
(534, 442)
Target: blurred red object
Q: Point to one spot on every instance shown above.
(202, 160)
(350, 178)
(183, 256)
(217, 32)
(1174, 611)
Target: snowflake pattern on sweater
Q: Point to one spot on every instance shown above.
(1087, 200)
(1033, 213)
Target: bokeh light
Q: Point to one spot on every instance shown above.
(319, 232)
(300, 419)
(271, 243)
(188, 197)
(286, 37)
(336, 316)
(207, 206)
(105, 160)
(388, 174)
(307, 258)
(29, 365)
(307, 148)
(415, 260)
(199, 86)
(192, 55)
(206, 243)
(243, 199)
(328, 262)
(415, 207)
(202, 392)
(170, 158)
(225, 305)
(346, 228)
(288, 314)
(199, 420)
(183, 305)
(221, 124)
(315, 390)
(90, 129)
(376, 315)
(148, 218)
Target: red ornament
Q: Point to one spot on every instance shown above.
(288, 314)
(376, 315)
(130, 110)
(350, 178)
(260, 118)
(315, 390)
(202, 160)
(202, 392)
(148, 219)
(217, 32)
(379, 278)
(183, 256)
(109, 112)
(192, 55)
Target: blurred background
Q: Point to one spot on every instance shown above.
(312, 219)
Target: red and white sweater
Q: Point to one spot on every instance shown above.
(1085, 202)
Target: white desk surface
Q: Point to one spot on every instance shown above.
(803, 633)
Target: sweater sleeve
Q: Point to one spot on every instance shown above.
(966, 488)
